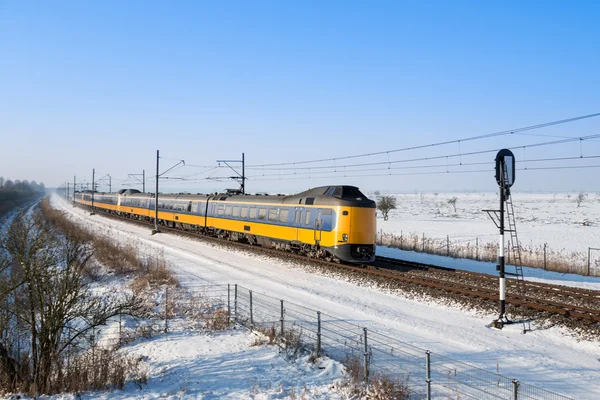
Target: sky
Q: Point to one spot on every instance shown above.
(104, 85)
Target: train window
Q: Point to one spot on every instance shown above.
(228, 210)
(307, 220)
(298, 217)
(352, 192)
(344, 212)
(337, 192)
(189, 208)
(262, 213)
(244, 212)
(272, 214)
(329, 192)
(283, 216)
(221, 210)
(327, 211)
(310, 200)
(236, 211)
(253, 213)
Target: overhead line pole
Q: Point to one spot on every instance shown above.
(93, 189)
(156, 196)
(158, 175)
(143, 181)
(241, 176)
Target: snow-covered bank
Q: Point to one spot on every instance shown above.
(223, 365)
(547, 358)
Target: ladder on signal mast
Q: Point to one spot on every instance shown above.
(515, 252)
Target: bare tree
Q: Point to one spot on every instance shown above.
(579, 199)
(452, 202)
(51, 297)
(385, 204)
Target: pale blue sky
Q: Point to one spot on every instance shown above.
(105, 84)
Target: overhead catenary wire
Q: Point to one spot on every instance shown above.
(423, 173)
(478, 137)
(258, 177)
(453, 155)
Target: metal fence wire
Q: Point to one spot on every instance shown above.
(427, 375)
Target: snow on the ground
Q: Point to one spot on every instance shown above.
(223, 365)
(541, 218)
(549, 358)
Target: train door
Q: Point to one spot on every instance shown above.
(318, 227)
(298, 222)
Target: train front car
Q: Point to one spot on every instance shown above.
(356, 225)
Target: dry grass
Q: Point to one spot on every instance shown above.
(531, 256)
(121, 259)
(379, 387)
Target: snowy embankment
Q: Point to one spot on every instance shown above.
(224, 365)
(548, 358)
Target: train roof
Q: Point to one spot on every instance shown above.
(322, 195)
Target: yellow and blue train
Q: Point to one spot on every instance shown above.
(331, 222)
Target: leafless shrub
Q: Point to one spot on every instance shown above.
(265, 335)
(380, 387)
(385, 204)
(98, 369)
(579, 199)
(291, 342)
(452, 202)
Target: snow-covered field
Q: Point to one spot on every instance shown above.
(541, 218)
(554, 219)
(549, 358)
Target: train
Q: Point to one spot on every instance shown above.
(336, 223)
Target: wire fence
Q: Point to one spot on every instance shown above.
(484, 248)
(297, 328)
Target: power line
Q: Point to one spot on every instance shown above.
(458, 141)
(453, 155)
(424, 173)
(258, 177)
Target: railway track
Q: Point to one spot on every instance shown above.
(572, 303)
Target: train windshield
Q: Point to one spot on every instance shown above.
(350, 192)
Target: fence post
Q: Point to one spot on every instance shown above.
(428, 373)
(235, 302)
(545, 244)
(251, 316)
(515, 389)
(477, 249)
(318, 333)
(589, 260)
(120, 329)
(281, 319)
(166, 309)
(423, 244)
(228, 304)
(447, 245)
(366, 357)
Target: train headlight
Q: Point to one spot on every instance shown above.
(345, 237)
